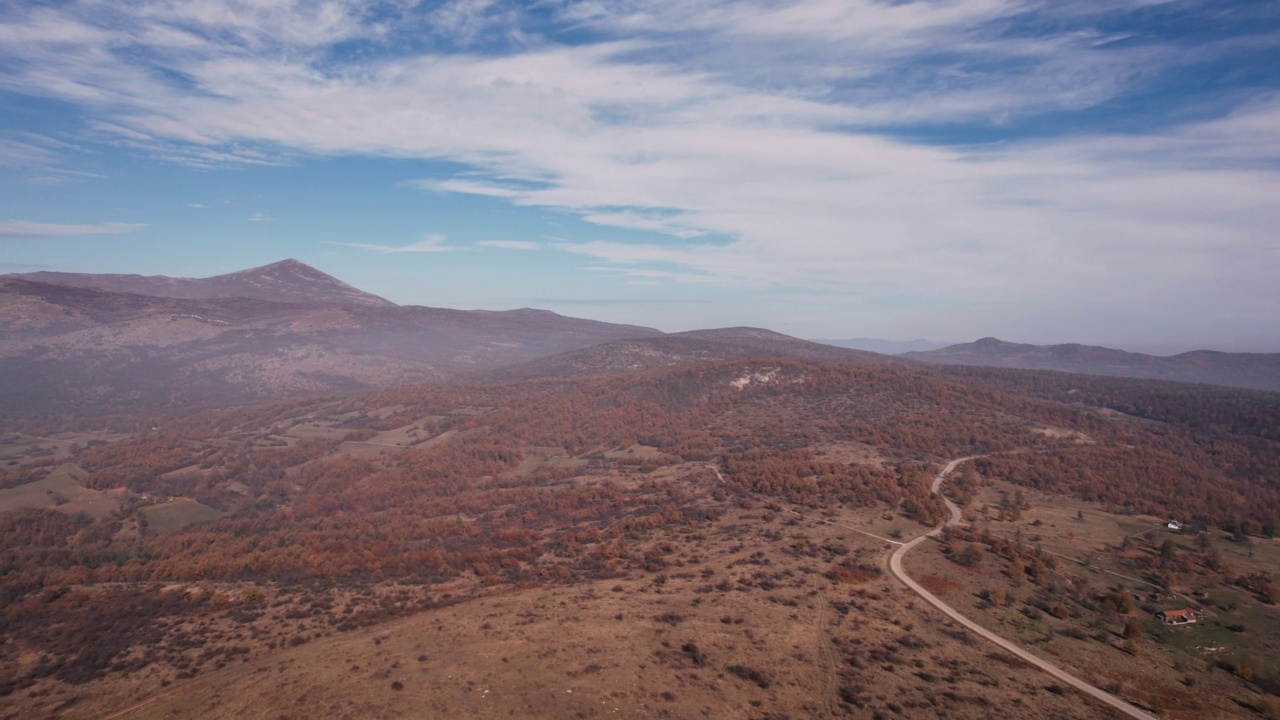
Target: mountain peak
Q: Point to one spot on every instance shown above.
(286, 281)
(292, 281)
(286, 264)
(288, 268)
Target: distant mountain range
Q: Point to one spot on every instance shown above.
(129, 341)
(886, 347)
(278, 330)
(286, 329)
(1258, 371)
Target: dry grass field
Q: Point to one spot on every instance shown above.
(176, 514)
(771, 611)
(59, 490)
(763, 615)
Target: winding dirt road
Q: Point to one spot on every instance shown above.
(895, 565)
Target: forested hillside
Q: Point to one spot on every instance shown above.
(555, 481)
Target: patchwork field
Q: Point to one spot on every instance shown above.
(59, 490)
(177, 514)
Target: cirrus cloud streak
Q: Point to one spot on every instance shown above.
(29, 229)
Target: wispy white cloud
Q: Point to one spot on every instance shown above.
(261, 217)
(633, 220)
(18, 153)
(468, 187)
(762, 124)
(650, 276)
(431, 244)
(56, 175)
(510, 244)
(43, 158)
(29, 229)
(467, 22)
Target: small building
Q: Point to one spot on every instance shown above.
(1174, 525)
(1183, 616)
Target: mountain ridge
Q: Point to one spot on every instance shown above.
(286, 281)
(885, 347)
(75, 343)
(1255, 371)
(287, 329)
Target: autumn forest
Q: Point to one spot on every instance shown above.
(333, 513)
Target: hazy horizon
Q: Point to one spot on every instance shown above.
(894, 346)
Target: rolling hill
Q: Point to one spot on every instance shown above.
(683, 348)
(887, 347)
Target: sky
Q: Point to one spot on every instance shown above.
(1091, 171)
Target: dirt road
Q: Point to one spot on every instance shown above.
(895, 565)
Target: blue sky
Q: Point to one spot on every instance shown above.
(1092, 171)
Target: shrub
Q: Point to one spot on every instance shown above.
(694, 653)
(853, 694)
(970, 556)
(851, 573)
(747, 673)
(1075, 633)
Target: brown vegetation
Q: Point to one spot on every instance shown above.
(530, 485)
